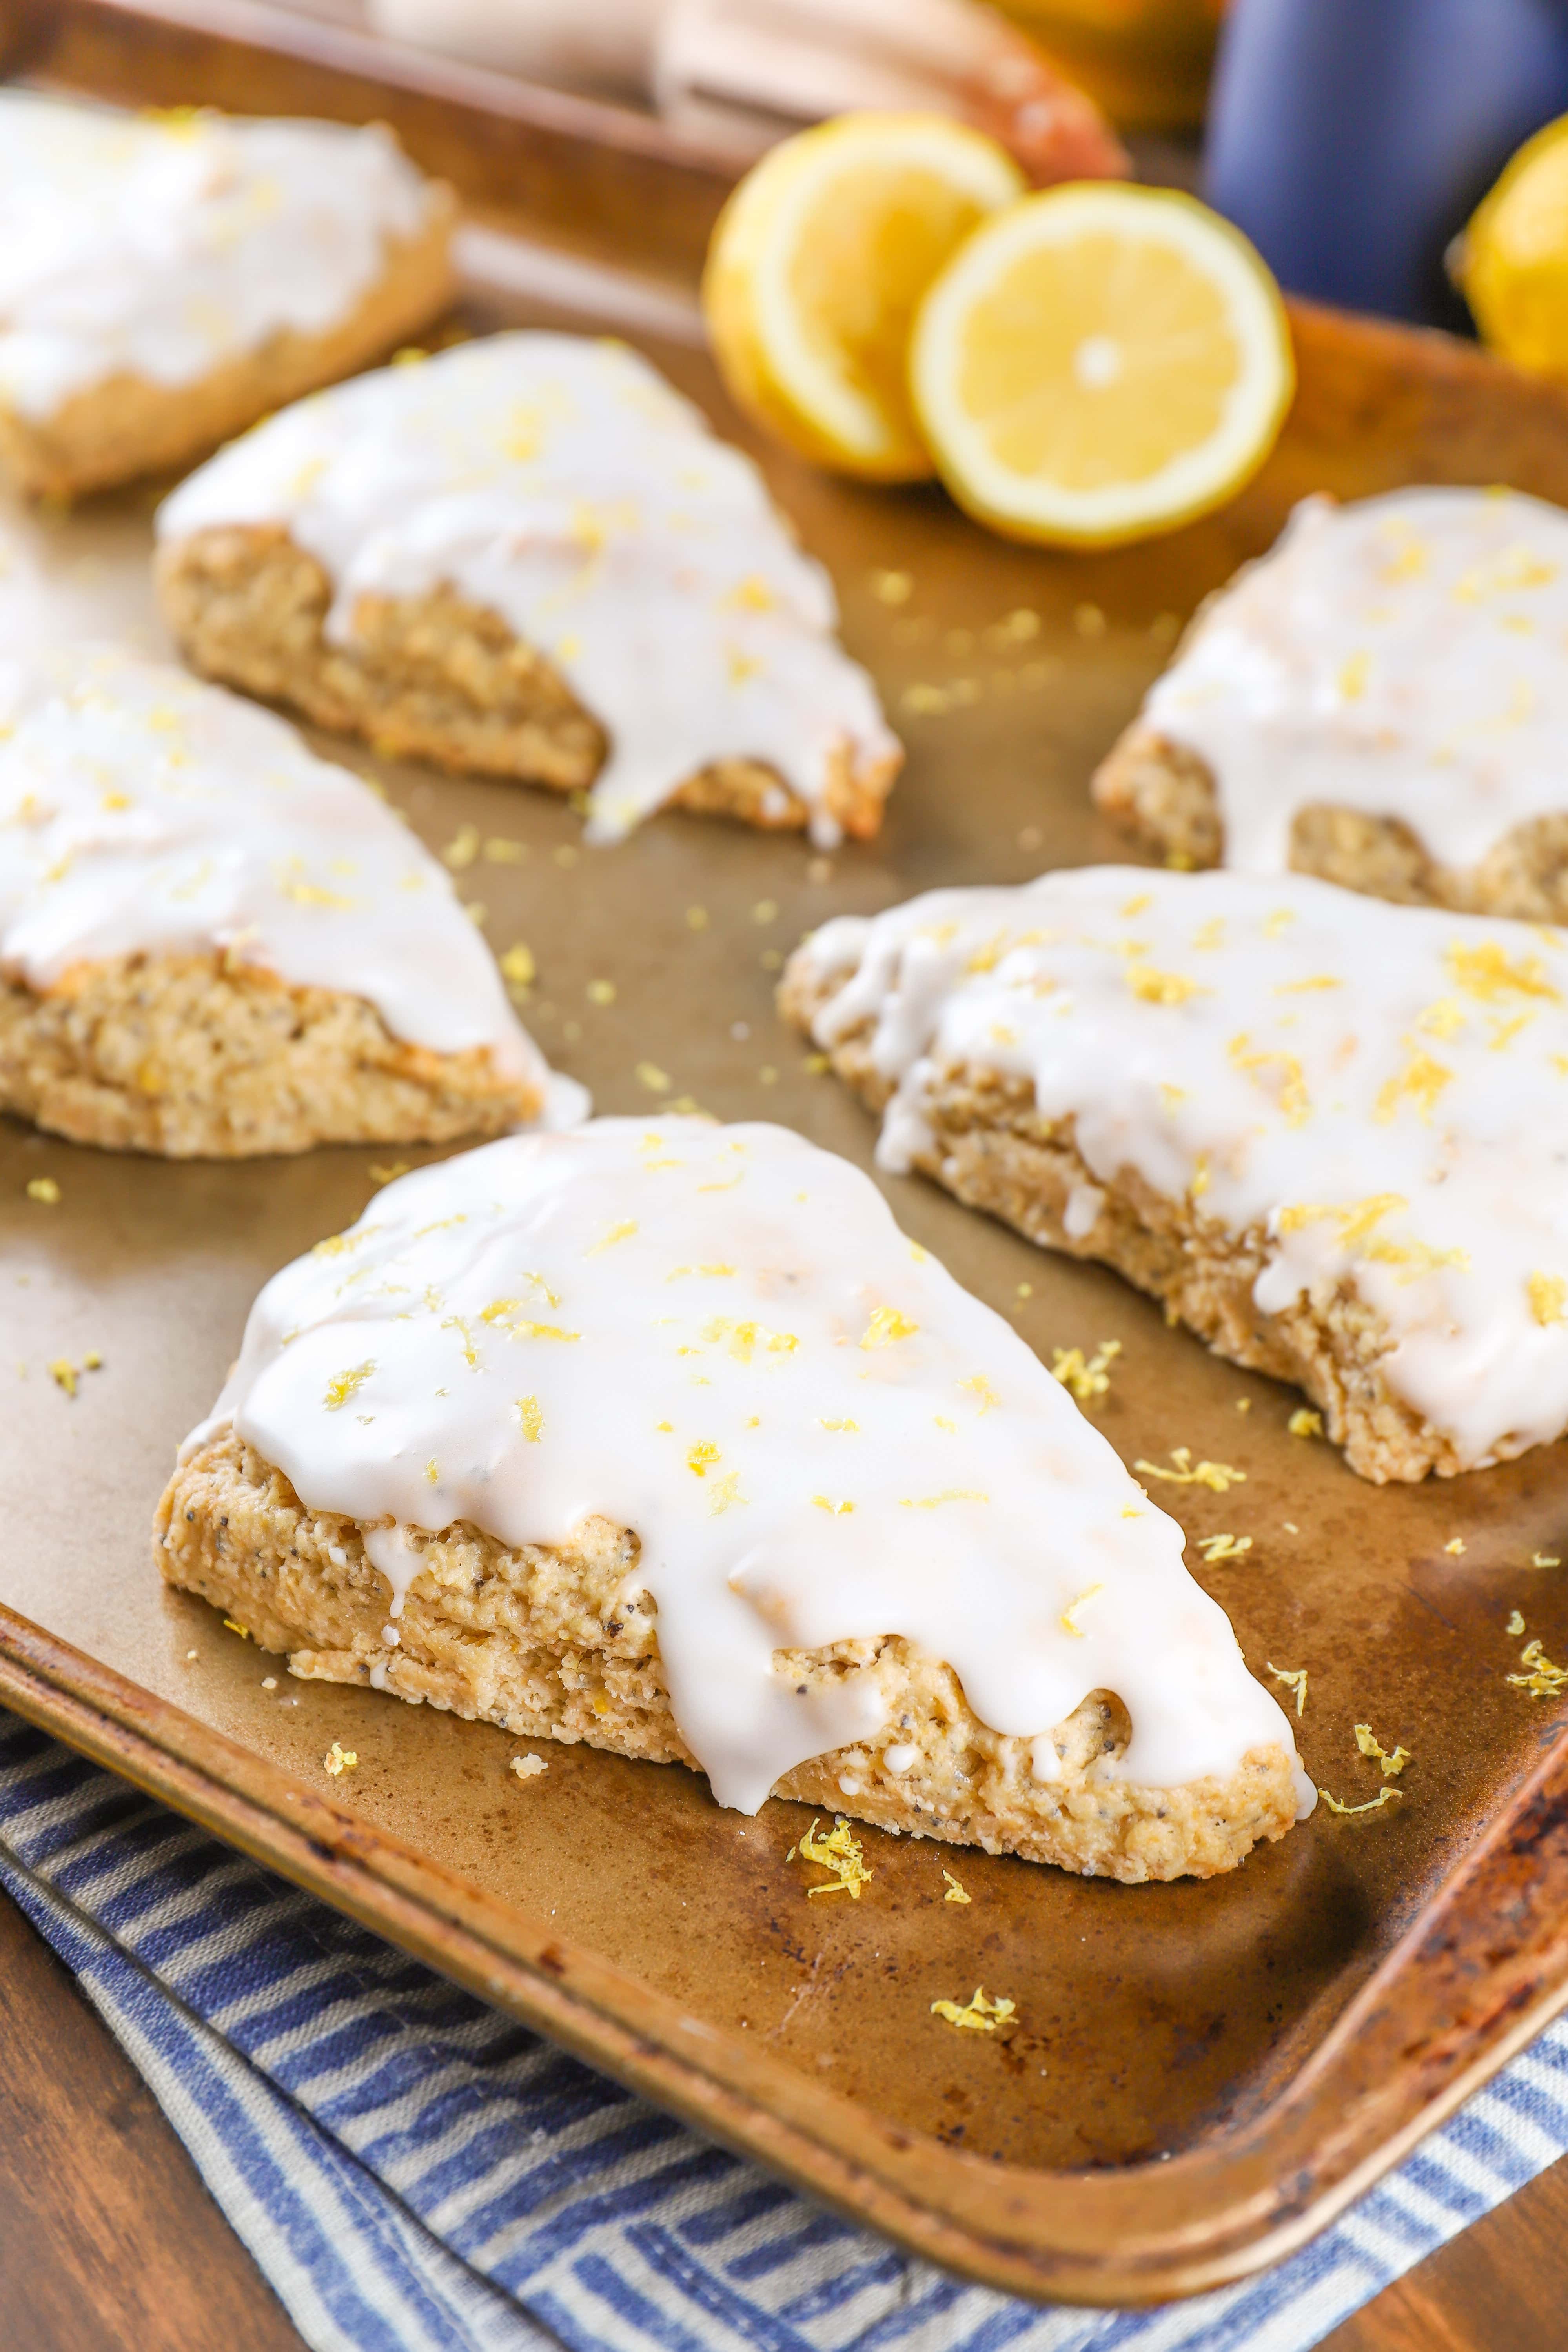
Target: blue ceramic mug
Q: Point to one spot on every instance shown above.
(1350, 139)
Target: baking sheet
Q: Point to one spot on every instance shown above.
(1149, 2020)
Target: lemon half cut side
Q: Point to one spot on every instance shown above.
(817, 265)
(1100, 363)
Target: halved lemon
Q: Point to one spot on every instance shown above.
(1512, 261)
(1100, 363)
(816, 267)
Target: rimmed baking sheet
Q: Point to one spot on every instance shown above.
(1172, 2105)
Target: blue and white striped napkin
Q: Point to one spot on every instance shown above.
(414, 2173)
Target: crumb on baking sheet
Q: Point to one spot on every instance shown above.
(841, 1853)
(527, 1768)
(1218, 1477)
(955, 1893)
(977, 2015)
(1370, 1745)
(338, 1760)
(1294, 1678)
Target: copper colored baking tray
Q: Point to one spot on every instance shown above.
(1200, 2074)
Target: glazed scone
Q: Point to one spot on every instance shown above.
(529, 557)
(213, 944)
(167, 278)
(851, 1542)
(1329, 1134)
(1381, 700)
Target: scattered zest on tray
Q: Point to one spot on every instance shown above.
(1542, 1679)
(1392, 1764)
(955, 1893)
(1219, 1477)
(338, 1760)
(1294, 1678)
(977, 2015)
(841, 1853)
(1372, 1806)
(1087, 1377)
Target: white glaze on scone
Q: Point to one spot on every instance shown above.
(141, 812)
(1405, 656)
(1380, 1092)
(717, 1338)
(161, 246)
(562, 483)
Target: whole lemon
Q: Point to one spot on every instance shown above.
(1511, 262)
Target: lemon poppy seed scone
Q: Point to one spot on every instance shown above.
(167, 278)
(847, 1541)
(1329, 1134)
(213, 944)
(529, 557)
(1381, 700)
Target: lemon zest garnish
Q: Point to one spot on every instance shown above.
(1515, 1625)
(1319, 980)
(836, 1510)
(338, 1760)
(1087, 1377)
(886, 1326)
(1372, 1806)
(977, 2015)
(1219, 1477)
(949, 1494)
(1548, 1299)
(1446, 1018)
(1305, 1423)
(838, 1424)
(460, 1324)
(1218, 1547)
(1544, 1680)
(614, 1234)
(345, 1385)
(231, 1625)
(702, 1457)
(518, 965)
(1422, 1078)
(1294, 1102)
(955, 1893)
(1486, 973)
(532, 1417)
(1392, 1764)
(1545, 1559)
(1066, 1620)
(1162, 987)
(44, 1189)
(1294, 1678)
(979, 1386)
(841, 1853)
(726, 1495)
(1455, 1545)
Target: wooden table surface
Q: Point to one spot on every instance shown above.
(108, 2238)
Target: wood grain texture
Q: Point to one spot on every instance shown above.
(107, 2236)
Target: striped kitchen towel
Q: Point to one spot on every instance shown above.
(416, 2173)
